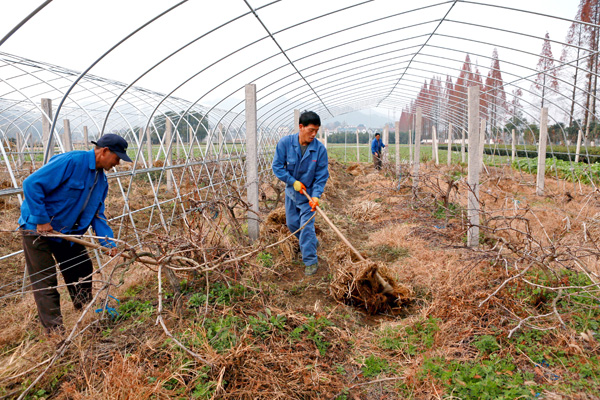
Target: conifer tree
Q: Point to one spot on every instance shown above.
(546, 80)
(494, 89)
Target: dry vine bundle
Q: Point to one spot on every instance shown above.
(354, 283)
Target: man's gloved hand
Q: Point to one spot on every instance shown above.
(299, 187)
(314, 203)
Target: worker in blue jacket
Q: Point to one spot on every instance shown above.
(67, 195)
(301, 162)
(376, 148)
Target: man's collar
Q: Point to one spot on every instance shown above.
(91, 159)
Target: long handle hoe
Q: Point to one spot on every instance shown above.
(387, 288)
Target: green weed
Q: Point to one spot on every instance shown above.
(374, 366)
(266, 259)
(412, 339)
(496, 378)
(265, 324)
(313, 330)
(135, 309)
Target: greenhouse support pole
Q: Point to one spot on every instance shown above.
(475, 162)
(252, 162)
(449, 155)
(513, 146)
(541, 167)
(386, 140)
(296, 121)
(47, 137)
(169, 153)
(410, 147)
(417, 153)
(397, 140)
(357, 148)
(434, 146)
(67, 138)
(482, 142)
(149, 147)
(579, 135)
(86, 138)
(20, 150)
(463, 156)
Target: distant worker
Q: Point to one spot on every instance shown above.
(67, 195)
(376, 149)
(301, 162)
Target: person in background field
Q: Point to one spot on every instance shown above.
(66, 195)
(301, 162)
(376, 148)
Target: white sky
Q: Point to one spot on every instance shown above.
(74, 33)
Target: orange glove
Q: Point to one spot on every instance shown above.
(314, 203)
(299, 187)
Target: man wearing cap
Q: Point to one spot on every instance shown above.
(67, 195)
(376, 148)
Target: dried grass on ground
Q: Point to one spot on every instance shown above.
(268, 331)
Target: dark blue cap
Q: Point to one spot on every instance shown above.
(115, 143)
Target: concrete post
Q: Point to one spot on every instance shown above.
(513, 146)
(463, 155)
(417, 154)
(434, 146)
(169, 154)
(410, 147)
(86, 138)
(149, 147)
(67, 138)
(397, 140)
(252, 162)
(449, 158)
(357, 148)
(178, 154)
(325, 134)
(47, 137)
(386, 140)
(579, 135)
(20, 150)
(296, 121)
(482, 139)
(541, 167)
(474, 167)
(221, 140)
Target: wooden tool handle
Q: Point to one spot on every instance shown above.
(146, 260)
(387, 288)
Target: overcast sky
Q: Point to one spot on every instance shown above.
(74, 33)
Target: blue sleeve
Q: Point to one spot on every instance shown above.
(43, 182)
(100, 225)
(279, 163)
(321, 173)
(373, 149)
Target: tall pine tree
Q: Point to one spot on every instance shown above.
(546, 81)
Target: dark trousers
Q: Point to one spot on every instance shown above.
(377, 161)
(41, 256)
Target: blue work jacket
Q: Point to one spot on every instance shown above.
(312, 169)
(57, 192)
(376, 146)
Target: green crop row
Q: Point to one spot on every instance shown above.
(569, 171)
